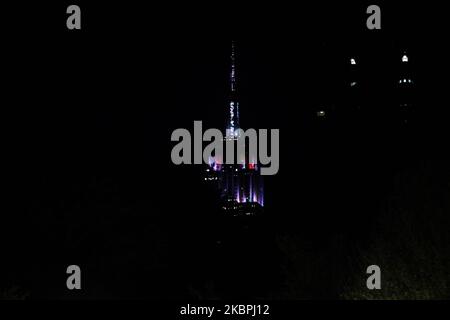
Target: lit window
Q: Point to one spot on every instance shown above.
(353, 61)
(321, 113)
(405, 58)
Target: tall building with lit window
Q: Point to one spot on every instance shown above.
(240, 184)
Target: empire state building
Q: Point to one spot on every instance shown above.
(240, 184)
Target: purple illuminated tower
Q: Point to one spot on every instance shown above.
(240, 184)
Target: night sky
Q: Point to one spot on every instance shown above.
(88, 117)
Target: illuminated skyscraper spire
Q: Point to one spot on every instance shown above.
(233, 68)
(240, 184)
(233, 117)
